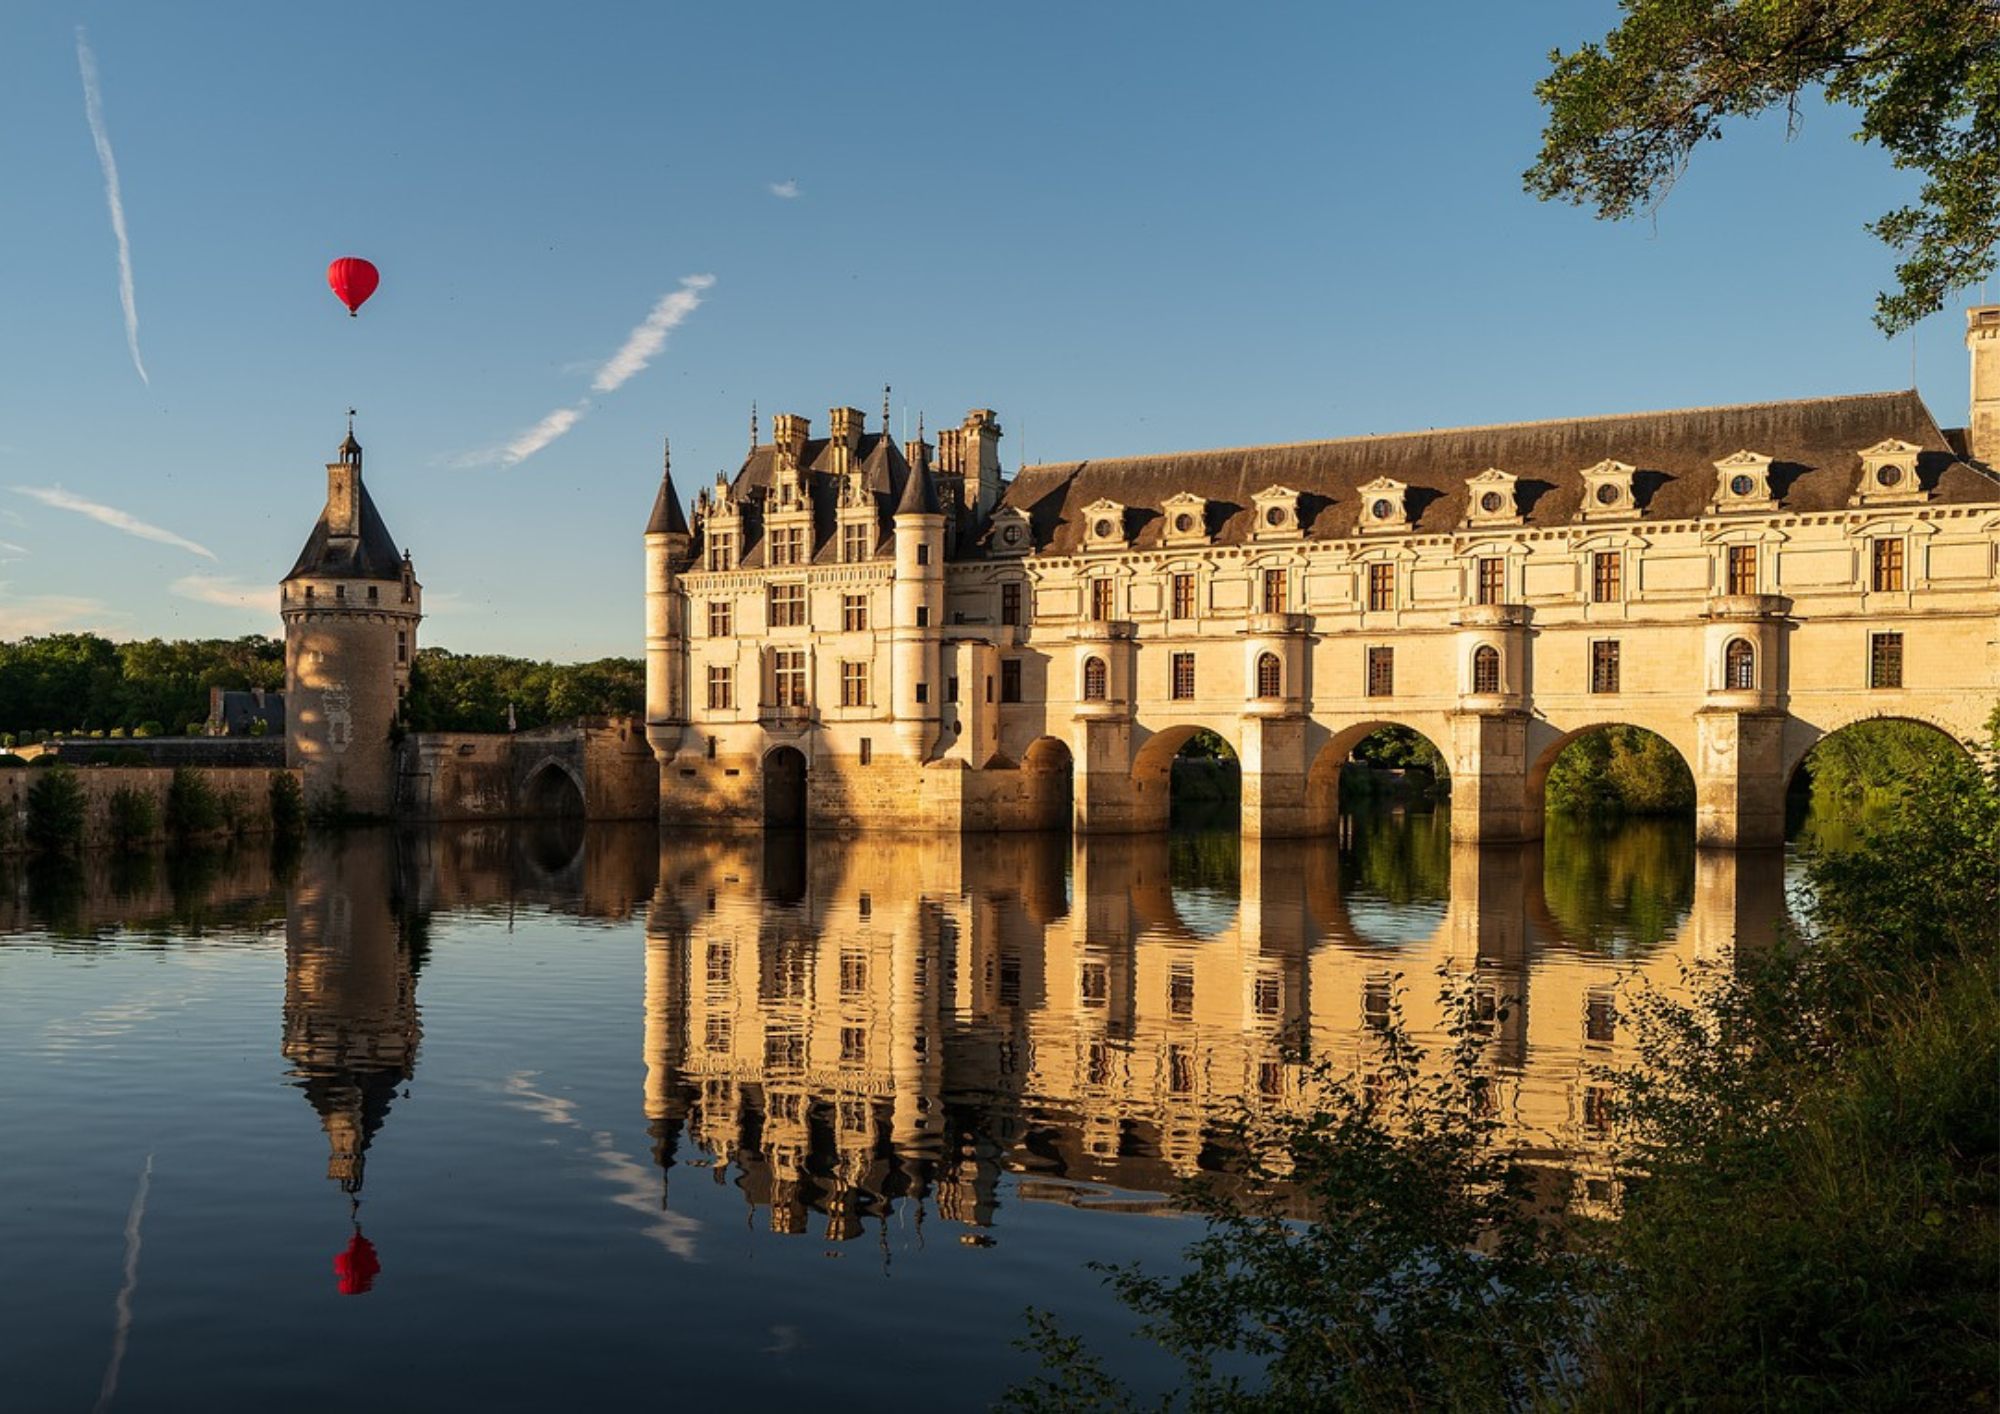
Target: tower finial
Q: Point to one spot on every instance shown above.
(753, 424)
(666, 457)
(885, 409)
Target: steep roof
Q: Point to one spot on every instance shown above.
(370, 555)
(1813, 444)
(884, 475)
(668, 518)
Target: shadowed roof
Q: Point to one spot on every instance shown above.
(1813, 445)
(370, 555)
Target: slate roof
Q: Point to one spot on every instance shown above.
(1813, 444)
(668, 518)
(370, 555)
(885, 473)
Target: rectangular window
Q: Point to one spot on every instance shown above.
(402, 646)
(788, 677)
(1493, 580)
(1607, 577)
(1885, 660)
(1180, 989)
(1100, 599)
(1275, 599)
(1010, 679)
(788, 606)
(951, 689)
(1010, 603)
(1181, 603)
(1268, 997)
(1381, 586)
(1093, 983)
(1600, 1018)
(1742, 569)
(854, 684)
(1887, 557)
(867, 750)
(371, 594)
(1604, 665)
(1181, 671)
(854, 612)
(923, 616)
(721, 618)
(1381, 672)
(722, 549)
(788, 545)
(923, 554)
(923, 693)
(1377, 1002)
(721, 689)
(855, 543)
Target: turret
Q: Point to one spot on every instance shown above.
(668, 555)
(918, 607)
(351, 606)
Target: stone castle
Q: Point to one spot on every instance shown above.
(853, 633)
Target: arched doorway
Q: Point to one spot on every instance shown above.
(1050, 770)
(552, 794)
(785, 789)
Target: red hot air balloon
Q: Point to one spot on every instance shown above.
(353, 280)
(358, 1266)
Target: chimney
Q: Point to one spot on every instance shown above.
(981, 435)
(844, 438)
(1982, 340)
(789, 433)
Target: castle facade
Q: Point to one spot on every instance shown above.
(853, 633)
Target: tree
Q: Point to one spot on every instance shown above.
(1626, 117)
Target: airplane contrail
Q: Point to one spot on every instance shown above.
(124, 1326)
(93, 110)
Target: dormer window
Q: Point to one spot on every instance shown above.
(1385, 506)
(1010, 535)
(1104, 526)
(1889, 475)
(1276, 512)
(1607, 491)
(1743, 483)
(1491, 499)
(1186, 520)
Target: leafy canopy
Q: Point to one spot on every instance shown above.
(1626, 117)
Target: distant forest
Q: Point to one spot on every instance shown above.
(78, 684)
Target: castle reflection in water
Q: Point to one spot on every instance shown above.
(840, 1026)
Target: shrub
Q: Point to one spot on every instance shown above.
(288, 804)
(117, 734)
(197, 729)
(56, 809)
(7, 741)
(10, 762)
(150, 728)
(193, 806)
(135, 817)
(44, 762)
(260, 727)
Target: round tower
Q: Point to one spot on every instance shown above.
(351, 607)
(667, 551)
(918, 606)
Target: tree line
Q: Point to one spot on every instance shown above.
(81, 684)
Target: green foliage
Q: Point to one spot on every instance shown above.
(1401, 749)
(10, 762)
(1874, 761)
(56, 810)
(194, 808)
(451, 692)
(150, 727)
(134, 816)
(1625, 117)
(1620, 893)
(1620, 771)
(101, 685)
(288, 805)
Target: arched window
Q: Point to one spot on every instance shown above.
(1486, 668)
(1095, 680)
(1270, 676)
(1739, 666)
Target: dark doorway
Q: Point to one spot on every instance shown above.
(785, 789)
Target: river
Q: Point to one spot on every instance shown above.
(517, 1119)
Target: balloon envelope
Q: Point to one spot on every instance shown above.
(353, 280)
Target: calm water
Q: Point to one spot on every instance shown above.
(500, 1121)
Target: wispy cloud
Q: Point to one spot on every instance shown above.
(51, 613)
(640, 348)
(93, 111)
(644, 343)
(788, 190)
(62, 500)
(227, 593)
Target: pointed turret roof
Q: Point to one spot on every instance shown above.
(350, 540)
(919, 494)
(668, 518)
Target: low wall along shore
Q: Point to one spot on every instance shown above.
(245, 792)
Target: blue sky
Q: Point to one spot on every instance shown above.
(1126, 227)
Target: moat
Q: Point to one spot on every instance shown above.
(497, 1118)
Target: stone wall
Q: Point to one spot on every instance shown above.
(245, 792)
(600, 769)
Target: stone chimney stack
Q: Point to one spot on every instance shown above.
(789, 432)
(343, 491)
(981, 442)
(845, 435)
(1982, 340)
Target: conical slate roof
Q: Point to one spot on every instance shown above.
(370, 555)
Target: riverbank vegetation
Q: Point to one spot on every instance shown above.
(1806, 1168)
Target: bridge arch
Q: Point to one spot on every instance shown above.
(1324, 769)
(553, 790)
(1805, 736)
(1048, 768)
